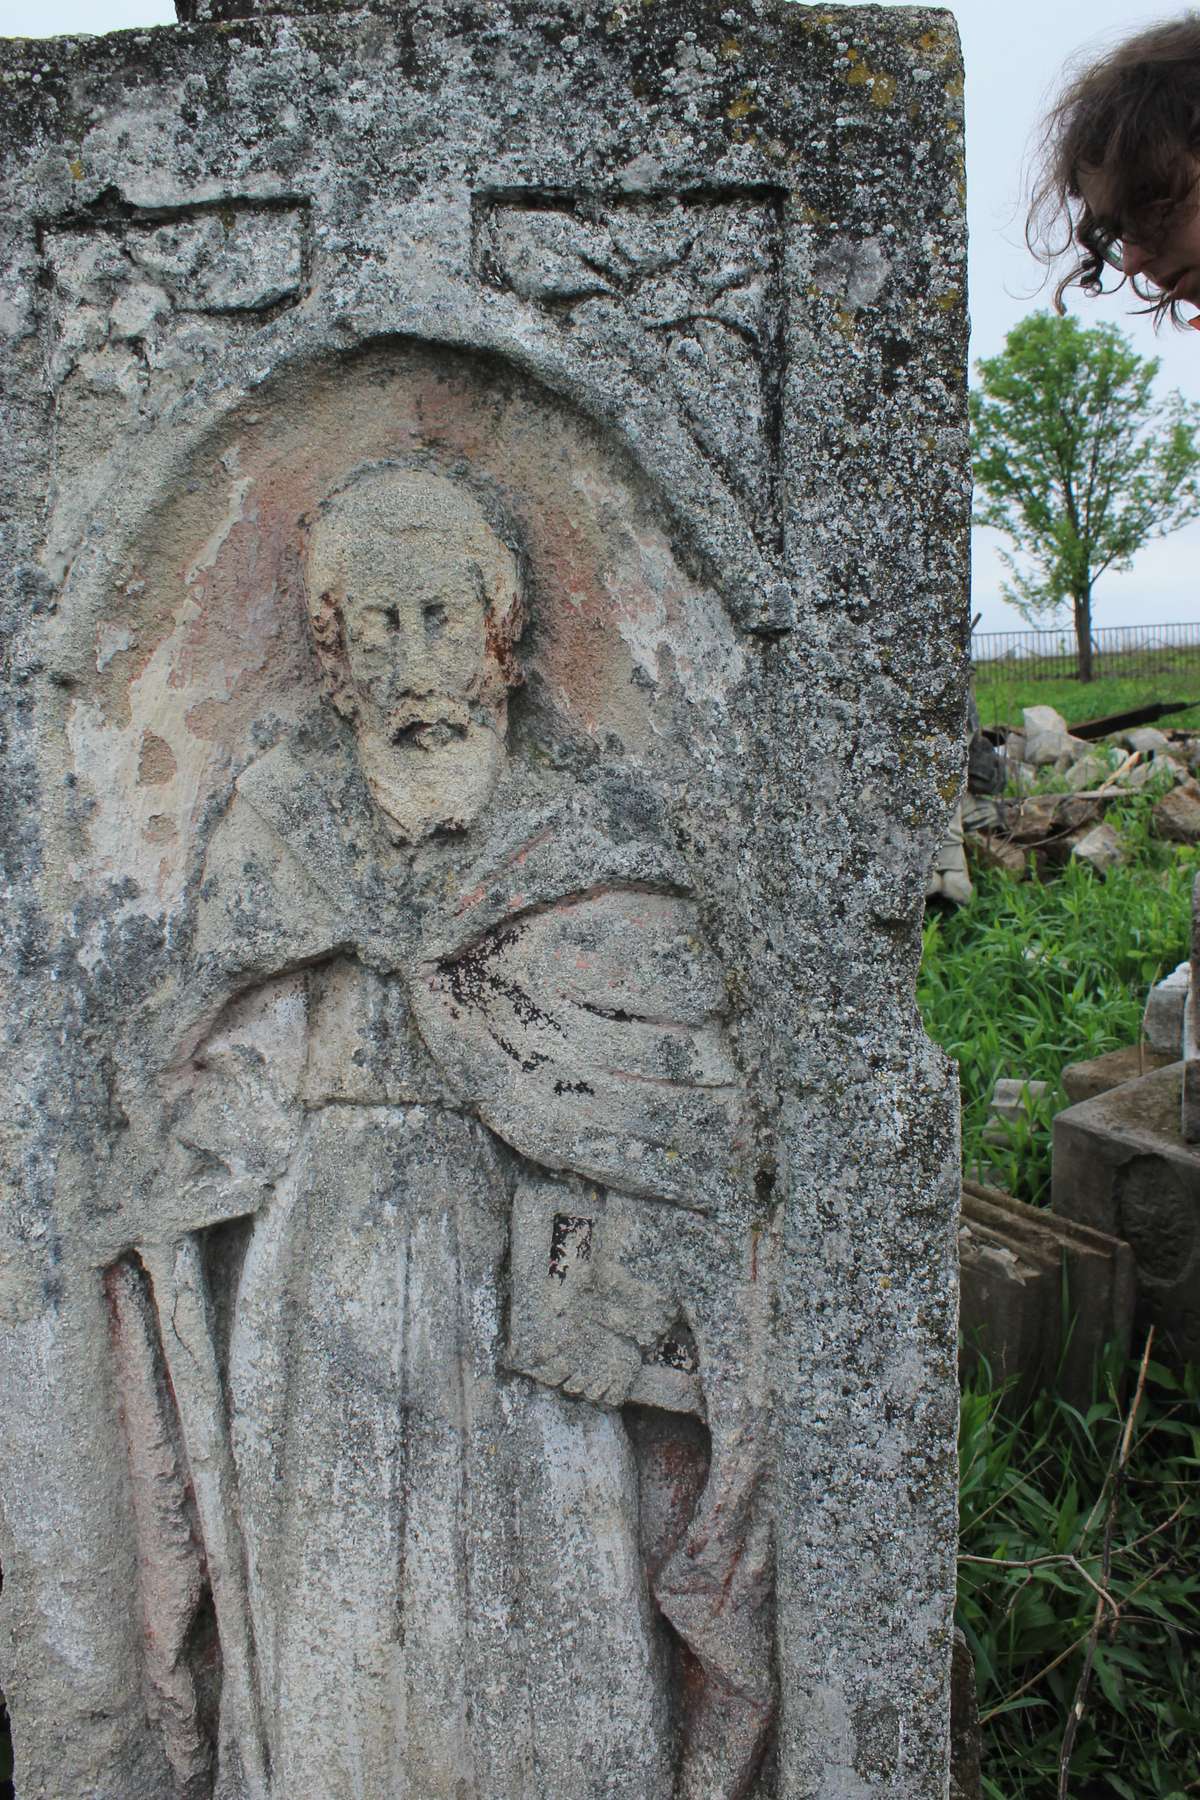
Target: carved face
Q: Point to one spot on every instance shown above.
(416, 603)
(413, 622)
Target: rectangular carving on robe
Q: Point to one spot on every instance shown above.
(485, 515)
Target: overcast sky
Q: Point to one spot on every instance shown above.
(1015, 50)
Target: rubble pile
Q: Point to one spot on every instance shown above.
(1039, 797)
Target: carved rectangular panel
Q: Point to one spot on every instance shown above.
(689, 282)
(112, 277)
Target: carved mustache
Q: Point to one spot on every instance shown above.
(427, 721)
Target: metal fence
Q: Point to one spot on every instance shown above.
(1116, 650)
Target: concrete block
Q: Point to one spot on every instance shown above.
(1121, 1166)
(1085, 1080)
(1162, 1021)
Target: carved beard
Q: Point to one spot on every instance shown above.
(429, 766)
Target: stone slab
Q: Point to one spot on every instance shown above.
(1087, 1080)
(1162, 1019)
(1121, 1166)
(1041, 1296)
(484, 545)
(1190, 1102)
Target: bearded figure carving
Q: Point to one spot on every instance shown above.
(458, 1411)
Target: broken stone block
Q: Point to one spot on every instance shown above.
(1042, 718)
(950, 878)
(993, 851)
(478, 1308)
(1177, 814)
(1088, 772)
(1100, 847)
(1121, 1166)
(1162, 1020)
(1051, 749)
(1013, 1102)
(1190, 1105)
(1015, 1262)
(982, 812)
(1146, 739)
(1086, 1080)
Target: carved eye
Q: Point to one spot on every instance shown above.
(434, 615)
(391, 616)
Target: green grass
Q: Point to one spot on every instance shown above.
(1001, 692)
(1048, 1516)
(1028, 977)
(1033, 975)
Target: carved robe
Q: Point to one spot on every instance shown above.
(433, 1545)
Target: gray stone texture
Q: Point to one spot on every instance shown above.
(484, 532)
(1189, 1116)
(1121, 1165)
(1163, 1015)
(1086, 1080)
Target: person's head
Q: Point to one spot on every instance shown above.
(416, 606)
(1119, 181)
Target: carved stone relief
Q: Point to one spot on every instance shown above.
(137, 304)
(476, 1284)
(446, 1178)
(698, 274)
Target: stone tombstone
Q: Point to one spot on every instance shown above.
(485, 522)
(1189, 1116)
(1122, 1166)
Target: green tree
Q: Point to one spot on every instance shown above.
(1076, 462)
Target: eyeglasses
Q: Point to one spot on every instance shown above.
(1108, 247)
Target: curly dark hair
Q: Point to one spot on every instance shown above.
(1129, 124)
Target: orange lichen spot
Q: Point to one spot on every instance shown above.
(156, 761)
(730, 49)
(743, 106)
(881, 85)
(76, 168)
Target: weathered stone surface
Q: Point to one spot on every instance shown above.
(1087, 1080)
(1177, 814)
(485, 492)
(1100, 847)
(1042, 718)
(1041, 1296)
(1088, 772)
(1190, 1103)
(1163, 1015)
(1014, 1101)
(950, 878)
(1121, 1166)
(1146, 739)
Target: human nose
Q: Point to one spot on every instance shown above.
(1134, 257)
